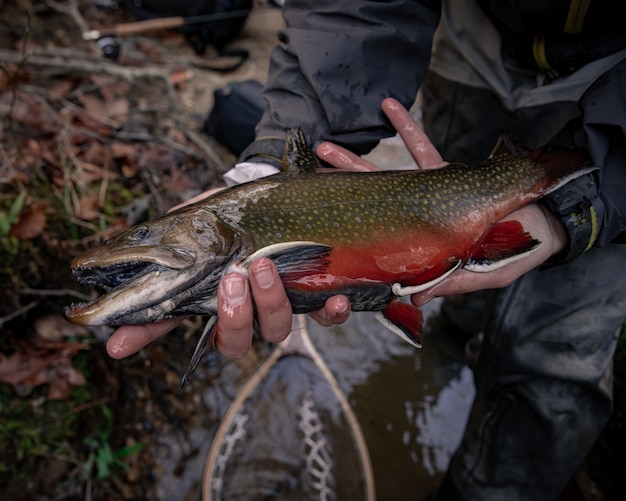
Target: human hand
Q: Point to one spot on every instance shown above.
(542, 224)
(129, 339)
(273, 310)
(534, 218)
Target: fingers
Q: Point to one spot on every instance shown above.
(236, 311)
(336, 311)
(415, 139)
(422, 150)
(129, 339)
(273, 306)
(273, 309)
(343, 159)
(543, 226)
(235, 314)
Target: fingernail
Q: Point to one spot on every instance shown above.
(234, 288)
(343, 308)
(264, 276)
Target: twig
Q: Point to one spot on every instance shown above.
(201, 143)
(18, 312)
(73, 61)
(88, 405)
(70, 10)
(148, 138)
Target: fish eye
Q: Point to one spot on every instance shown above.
(141, 233)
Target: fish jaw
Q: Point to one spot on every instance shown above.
(127, 300)
(174, 272)
(153, 294)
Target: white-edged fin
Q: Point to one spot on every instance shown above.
(385, 322)
(206, 338)
(271, 251)
(399, 290)
(487, 266)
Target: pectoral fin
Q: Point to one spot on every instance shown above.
(400, 290)
(292, 259)
(206, 341)
(404, 320)
(504, 243)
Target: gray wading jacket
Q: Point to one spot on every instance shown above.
(338, 59)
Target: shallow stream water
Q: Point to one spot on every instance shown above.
(411, 405)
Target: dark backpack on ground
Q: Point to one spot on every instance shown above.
(208, 22)
(237, 109)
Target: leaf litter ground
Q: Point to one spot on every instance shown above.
(88, 147)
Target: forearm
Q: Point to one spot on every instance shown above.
(593, 207)
(336, 62)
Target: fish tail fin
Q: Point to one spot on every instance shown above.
(298, 157)
(404, 320)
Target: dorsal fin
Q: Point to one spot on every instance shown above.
(298, 157)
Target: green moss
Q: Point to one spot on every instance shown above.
(33, 428)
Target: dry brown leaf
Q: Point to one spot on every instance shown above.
(60, 89)
(88, 208)
(56, 328)
(30, 113)
(31, 223)
(180, 76)
(92, 104)
(110, 89)
(118, 110)
(125, 154)
(94, 153)
(122, 150)
(42, 362)
(178, 183)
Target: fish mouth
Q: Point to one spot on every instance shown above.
(122, 283)
(112, 276)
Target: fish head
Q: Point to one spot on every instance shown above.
(150, 270)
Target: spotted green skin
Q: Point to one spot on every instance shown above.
(353, 208)
(377, 230)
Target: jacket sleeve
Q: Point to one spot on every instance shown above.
(335, 63)
(593, 207)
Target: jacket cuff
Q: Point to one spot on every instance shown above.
(268, 150)
(579, 217)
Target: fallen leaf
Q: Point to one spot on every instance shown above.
(43, 362)
(125, 154)
(60, 89)
(92, 105)
(31, 222)
(56, 328)
(88, 208)
(118, 110)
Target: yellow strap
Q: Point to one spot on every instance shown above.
(576, 16)
(539, 53)
(594, 228)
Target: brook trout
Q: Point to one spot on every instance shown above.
(373, 236)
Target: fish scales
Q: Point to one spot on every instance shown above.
(327, 207)
(373, 236)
